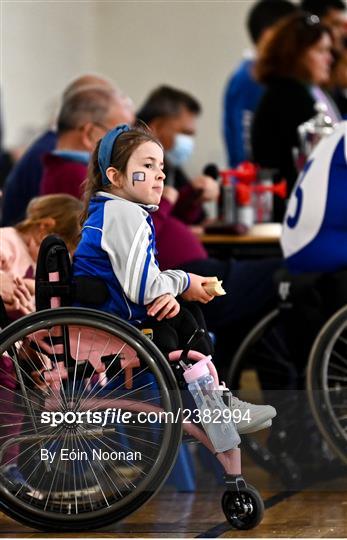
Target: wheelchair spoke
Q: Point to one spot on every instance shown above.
(85, 482)
(48, 387)
(80, 402)
(22, 452)
(144, 441)
(144, 458)
(19, 423)
(58, 369)
(29, 360)
(338, 368)
(131, 393)
(75, 487)
(75, 367)
(29, 459)
(52, 483)
(122, 445)
(94, 369)
(12, 392)
(114, 389)
(340, 357)
(88, 356)
(106, 475)
(43, 476)
(92, 469)
(337, 378)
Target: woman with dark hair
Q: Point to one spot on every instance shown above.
(294, 61)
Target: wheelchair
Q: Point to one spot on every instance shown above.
(297, 354)
(70, 372)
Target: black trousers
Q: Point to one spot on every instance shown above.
(172, 334)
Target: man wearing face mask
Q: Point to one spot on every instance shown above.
(172, 116)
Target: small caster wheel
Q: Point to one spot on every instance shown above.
(244, 509)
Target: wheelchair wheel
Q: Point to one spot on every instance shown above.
(80, 419)
(327, 382)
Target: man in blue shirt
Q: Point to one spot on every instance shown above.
(23, 182)
(243, 93)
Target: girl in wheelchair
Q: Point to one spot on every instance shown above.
(124, 185)
(73, 361)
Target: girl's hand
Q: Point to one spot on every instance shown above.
(166, 306)
(196, 291)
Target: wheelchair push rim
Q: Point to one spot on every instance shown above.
(69, 496)
(327, 382)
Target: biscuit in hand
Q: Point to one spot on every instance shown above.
(214, 288)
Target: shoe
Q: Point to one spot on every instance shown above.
(259, 416)
(14, 478)
(249, 429)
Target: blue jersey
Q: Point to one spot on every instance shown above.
(118, 246)
(23, 182)
(314, 234)
(241, 99)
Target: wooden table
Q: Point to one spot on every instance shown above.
(242, 246)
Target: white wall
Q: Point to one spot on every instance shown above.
(191, 45)
(43, 46)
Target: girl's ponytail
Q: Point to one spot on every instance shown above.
(93, 182)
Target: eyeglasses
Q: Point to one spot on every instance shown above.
(105, 128)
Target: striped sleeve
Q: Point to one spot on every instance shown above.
(127, 239)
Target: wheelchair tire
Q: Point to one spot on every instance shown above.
(251, 338)
(327, 382)
(73, 497)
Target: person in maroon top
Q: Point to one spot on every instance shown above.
(172, 116)
(64, 172)
(84, 118)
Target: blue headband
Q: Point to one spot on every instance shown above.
(106, 147)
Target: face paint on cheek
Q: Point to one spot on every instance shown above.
(138, 177)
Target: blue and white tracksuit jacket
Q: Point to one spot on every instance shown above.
(314, 237)
(118, 246)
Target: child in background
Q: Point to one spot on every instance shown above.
(124, 185)
(50, 214)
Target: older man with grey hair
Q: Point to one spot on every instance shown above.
(85, 116)
(23, 183)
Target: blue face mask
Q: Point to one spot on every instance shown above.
(182, 149)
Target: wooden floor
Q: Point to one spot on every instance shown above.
(315, 512)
